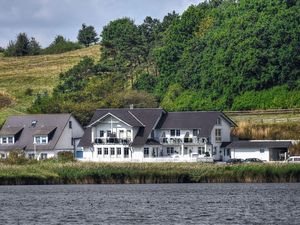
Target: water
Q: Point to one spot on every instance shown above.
(151, 204)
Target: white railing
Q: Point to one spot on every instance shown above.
(112, 140)
(193, 140)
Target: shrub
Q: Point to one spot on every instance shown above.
(65, 156)
(28, 92)
(16, 157)
(4, 100)
(60, 45)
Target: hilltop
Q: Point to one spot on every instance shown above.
(39, 73)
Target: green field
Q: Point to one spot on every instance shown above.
(51, 172)
(39, 73)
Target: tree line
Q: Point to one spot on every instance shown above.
(24, 46)
(217, 55)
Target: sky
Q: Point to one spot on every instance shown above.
(44, 19)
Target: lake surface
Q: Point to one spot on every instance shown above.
(151, 204)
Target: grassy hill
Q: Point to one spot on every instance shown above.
(39, 73)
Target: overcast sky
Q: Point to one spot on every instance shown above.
(44, 19)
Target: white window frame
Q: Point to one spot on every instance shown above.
(40, 140)
(8, 140)
(218, 135)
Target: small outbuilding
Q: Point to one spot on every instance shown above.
(261, 149)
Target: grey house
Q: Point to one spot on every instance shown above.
(40, 135)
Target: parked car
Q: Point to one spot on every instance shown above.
(293, 159)
(253, 160)
(234, 161)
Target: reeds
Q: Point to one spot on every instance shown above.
(121, 173)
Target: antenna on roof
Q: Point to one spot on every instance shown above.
(131, 106)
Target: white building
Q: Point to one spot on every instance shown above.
(41, 136)
(266, 150)
(153, 135)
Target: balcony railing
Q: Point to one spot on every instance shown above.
(173, 141)
(112, 140)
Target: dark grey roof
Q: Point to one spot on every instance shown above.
(44, 121)
(151, 141)
(225, 144)
(86, 140)
(44, 130)
(203, 120)
(10, 130)
(260, 144)
(123, 114)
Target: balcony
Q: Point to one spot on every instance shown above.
(179, 141)
(112, 141)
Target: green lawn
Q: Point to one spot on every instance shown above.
(40, 73)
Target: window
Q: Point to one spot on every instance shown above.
(146, 152)
(99, 151)
(10, 140)
(128, 134)
(170, 150)
(126, 152)
(261, 150)
(105, 151)
(118, 151)
(201, 150)
(43, 156)
(41, 140)
(172, 133)
(219, 121)
(108, 133)
(218, 135)
(177, 132)
(2, 155)
(31, 156)
(228, 151)
(152, 134)
(196, 132)
(112, 151)
(70, 124)
(101, 133)
(121, 133)
(4, 140)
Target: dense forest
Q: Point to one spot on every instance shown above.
(218, 55)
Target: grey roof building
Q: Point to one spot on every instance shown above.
(40, 132)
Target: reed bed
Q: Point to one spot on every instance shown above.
(137, 173)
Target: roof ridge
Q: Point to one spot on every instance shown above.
(136, 118)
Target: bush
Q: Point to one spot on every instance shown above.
(4, 100)
(28, 92)
(65, 156)
(16, 157)
(61, 45)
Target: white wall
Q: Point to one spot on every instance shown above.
(64, 142)
(244, 153)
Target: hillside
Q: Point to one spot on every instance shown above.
(39, 73)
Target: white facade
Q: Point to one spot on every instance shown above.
(111, 142)
(245, 153)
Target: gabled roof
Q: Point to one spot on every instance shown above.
(203, 120)
(124, 115)
(260, 144)
(45, 124)
(144, 119)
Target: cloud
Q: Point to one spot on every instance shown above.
(44, 19)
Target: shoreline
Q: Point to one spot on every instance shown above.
(55, 173)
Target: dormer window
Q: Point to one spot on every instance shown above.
(7, 140)
(70, 124)
(41, 139)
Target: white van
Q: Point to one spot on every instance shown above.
(293, 159)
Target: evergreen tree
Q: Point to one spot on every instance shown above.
(87, 35)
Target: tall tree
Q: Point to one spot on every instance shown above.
(22, 45)
(34, 47)
(87, 35)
